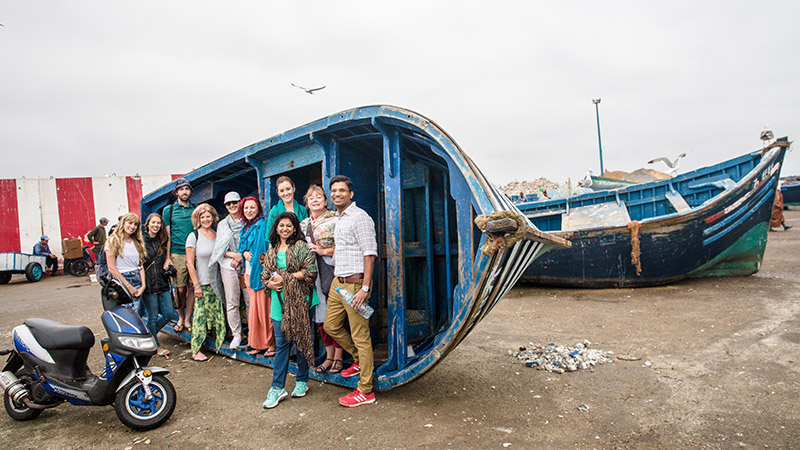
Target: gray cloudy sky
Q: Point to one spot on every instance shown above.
(152, 87)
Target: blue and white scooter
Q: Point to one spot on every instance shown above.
(48, 366)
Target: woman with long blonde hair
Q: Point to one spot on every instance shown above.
(125, 255)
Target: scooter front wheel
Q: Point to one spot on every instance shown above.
(138, 413)
(17, 411)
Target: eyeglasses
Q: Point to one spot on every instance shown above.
(231, 203)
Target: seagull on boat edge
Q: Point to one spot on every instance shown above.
(767, 134)
(586, 182)
(308, 91)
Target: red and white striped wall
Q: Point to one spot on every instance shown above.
(65, 208)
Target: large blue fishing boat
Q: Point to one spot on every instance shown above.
(709, 222)
(790, 188)
(437, 220)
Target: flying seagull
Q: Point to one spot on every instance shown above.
(673, 165)
(308, 91)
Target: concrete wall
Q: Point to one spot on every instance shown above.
(65, 208)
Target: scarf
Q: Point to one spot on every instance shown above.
(228, 234)
(296, 323)
(253, 239)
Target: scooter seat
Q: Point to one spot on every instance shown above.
(53, 335)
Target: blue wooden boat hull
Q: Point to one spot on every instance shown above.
(791, 193)
(723, 234)
(433, 283)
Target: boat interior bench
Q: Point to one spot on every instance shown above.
(719, 181)
(611, 214)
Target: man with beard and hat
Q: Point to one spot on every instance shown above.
(178, 222)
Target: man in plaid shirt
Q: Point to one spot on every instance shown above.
(354, 262)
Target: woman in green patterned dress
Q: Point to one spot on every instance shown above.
(209, 314)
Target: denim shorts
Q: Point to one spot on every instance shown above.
(133, 278)
(136, 281)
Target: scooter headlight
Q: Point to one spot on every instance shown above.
(147, 344)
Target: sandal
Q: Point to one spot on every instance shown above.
(178, 328)
(322, 368)
(163, 352)
(253, 352)
(336, 367)
(200, 357)
(269, 353)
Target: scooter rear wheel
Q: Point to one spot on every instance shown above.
(20, 412)
(137, 413)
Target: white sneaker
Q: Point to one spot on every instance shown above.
(235, 342)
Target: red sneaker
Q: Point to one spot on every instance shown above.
(352, 371)
(356, 398)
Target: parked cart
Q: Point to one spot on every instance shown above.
(31, 265)
(78, 261)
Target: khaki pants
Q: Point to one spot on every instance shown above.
(233, 292)
(358, 342)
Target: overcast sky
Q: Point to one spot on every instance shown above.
(154, 87)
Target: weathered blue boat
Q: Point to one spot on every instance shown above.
(790, 188)
(433, 280)
(709, 222)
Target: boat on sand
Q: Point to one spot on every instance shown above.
(709, 222)
(450, 243)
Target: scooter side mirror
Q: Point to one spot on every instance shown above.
(114, 293)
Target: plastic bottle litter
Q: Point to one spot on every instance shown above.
(365, 310)
(560, 359)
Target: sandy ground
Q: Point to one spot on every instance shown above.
(725, 372)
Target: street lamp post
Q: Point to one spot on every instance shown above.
(596, 102)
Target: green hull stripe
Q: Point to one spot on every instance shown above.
(741, 258)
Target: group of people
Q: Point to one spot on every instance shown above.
(286, 265)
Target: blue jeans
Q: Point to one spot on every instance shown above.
(159, 311)
(52, 261)
(282, 359)
(136, 281)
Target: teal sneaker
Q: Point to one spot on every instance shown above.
(300, 389)
(274, 396)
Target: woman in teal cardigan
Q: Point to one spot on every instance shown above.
(286, 189)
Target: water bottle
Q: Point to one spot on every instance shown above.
(365, 310)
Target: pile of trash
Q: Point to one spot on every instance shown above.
(559, 359)
(528, 187)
